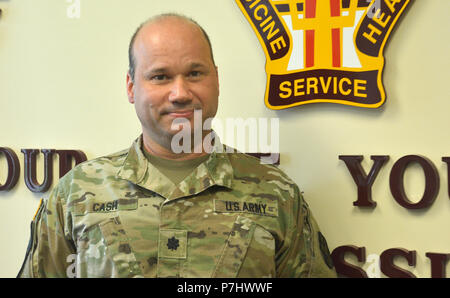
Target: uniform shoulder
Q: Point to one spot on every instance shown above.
(88, 177)
(250, 166)
(104, 164)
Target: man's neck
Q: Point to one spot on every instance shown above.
(156, 149)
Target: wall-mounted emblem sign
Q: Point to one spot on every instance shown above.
(323, 50)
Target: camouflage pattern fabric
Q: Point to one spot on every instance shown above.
(117, 216)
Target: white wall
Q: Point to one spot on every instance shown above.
(63, 87)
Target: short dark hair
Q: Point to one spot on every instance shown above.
(132, 58)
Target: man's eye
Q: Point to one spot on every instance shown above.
(195, 73)
(159, 77)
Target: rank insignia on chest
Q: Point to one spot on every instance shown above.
(172, 244)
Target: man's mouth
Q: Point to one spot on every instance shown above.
(181, 114)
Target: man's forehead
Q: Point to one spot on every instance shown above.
(158, 36)
(158, 27)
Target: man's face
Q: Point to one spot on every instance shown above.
(174, 75)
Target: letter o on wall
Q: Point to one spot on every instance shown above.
(396, 182)
(13, 168)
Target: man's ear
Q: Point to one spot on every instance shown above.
(130, 88)
(217, 77)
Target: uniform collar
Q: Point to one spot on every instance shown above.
(216, 170)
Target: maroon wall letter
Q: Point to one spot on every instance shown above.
(431, 182)
(65, 160)
(438, 264)
(363, 181)
(387, 262)
(30, 169)
(344, 268)
(13, 168)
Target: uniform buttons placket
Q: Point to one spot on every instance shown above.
(164, 215)
(161, 215)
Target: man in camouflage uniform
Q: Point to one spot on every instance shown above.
(150, 212)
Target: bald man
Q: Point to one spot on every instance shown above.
(152, 211)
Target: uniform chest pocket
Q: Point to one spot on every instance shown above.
(235, 248)
(105, 251)
(243, 253)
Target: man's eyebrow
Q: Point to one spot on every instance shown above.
(159, 70)
(197, 65)
(156, 70)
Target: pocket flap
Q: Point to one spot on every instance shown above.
(235, 248)
(119, 248)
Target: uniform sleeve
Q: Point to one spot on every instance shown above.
(49, 248)
(304, 252)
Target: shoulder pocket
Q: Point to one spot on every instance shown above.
(235, 248)
(27, 265)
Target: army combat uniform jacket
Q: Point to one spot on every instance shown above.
(118, 216)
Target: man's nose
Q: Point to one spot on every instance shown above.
(180, 92)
